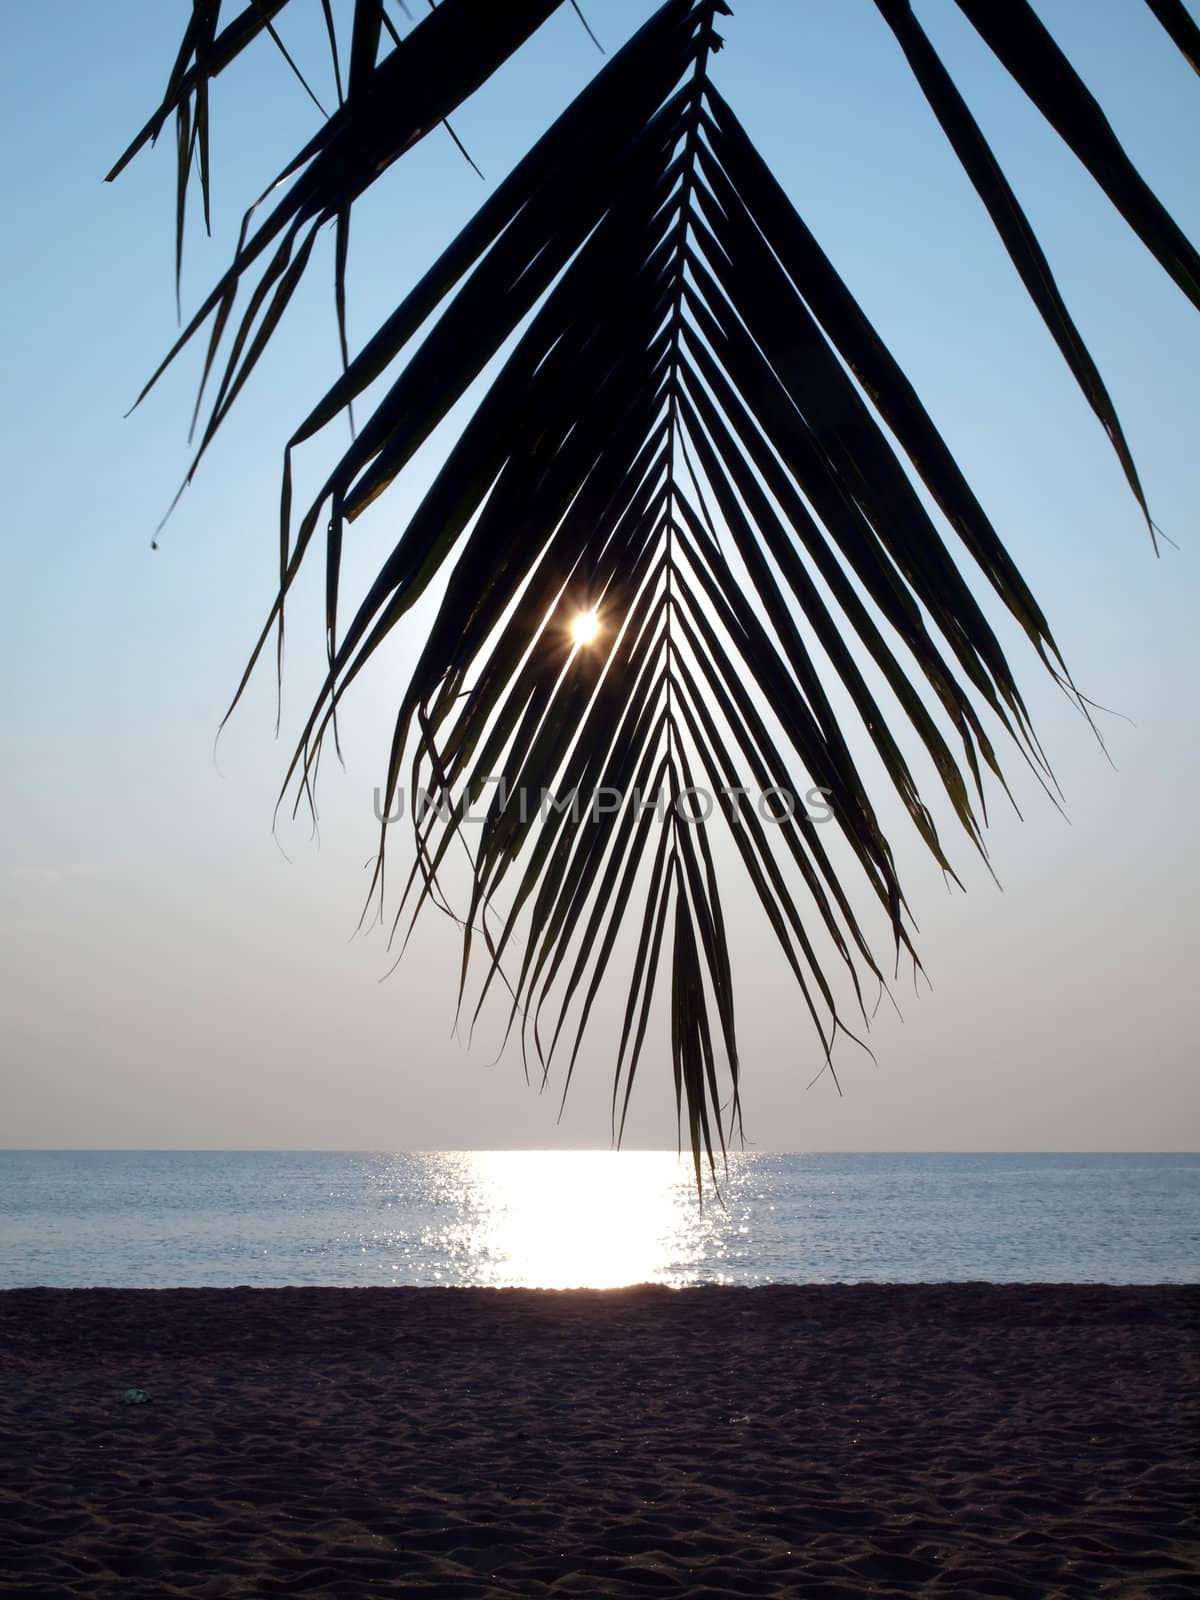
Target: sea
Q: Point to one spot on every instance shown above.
(565, 1219)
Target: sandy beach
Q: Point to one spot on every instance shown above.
(965, 1440)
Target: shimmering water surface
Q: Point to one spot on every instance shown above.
(556, 1220)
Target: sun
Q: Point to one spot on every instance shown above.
(585, 625)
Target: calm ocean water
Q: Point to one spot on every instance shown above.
(548, 1219)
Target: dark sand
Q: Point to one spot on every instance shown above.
(1025, 1441)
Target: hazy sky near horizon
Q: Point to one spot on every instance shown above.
(170, 978)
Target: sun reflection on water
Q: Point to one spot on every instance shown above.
(572, 1219)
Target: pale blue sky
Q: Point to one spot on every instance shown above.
(167, 978)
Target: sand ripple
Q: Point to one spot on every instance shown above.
(1016, 1441)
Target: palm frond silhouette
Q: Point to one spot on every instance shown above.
(695, 437)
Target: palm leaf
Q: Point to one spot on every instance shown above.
(709, 346)
(391, 106)
(1021, 41)
(693, 430)
(1174, 16)
(1010, 221)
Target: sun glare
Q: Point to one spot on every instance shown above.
(571, 1218)
(585, 627)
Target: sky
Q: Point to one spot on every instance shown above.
(173, 974)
